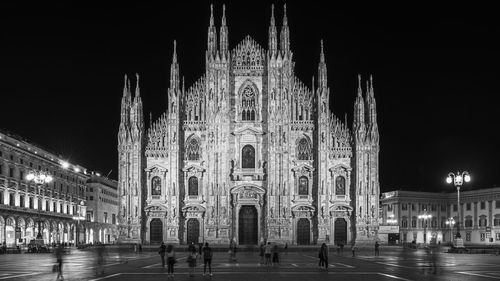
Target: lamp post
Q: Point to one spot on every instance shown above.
(78, 219)
(457, 180)
(425, 216)
(450, 222)
(39, 178)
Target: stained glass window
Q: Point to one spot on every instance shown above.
(193, 149)
(303, 186)
(340, 185)
(193, 186)
(156, 186)
(248, 104)
(303, 149)
(248, 157)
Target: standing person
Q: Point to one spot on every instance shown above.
(323, 256)
(377, 249)
(170, 260)
(191, 259)
(59, 259)
(286, 248)
(162, 251)
(207, 259)
(276, 258)
(200, 247)
(267, 253)
(341, 248)
(353, 249)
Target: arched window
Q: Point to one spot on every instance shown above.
(248, 157)
(303, 149)
(404, 222)
(303, 186)
(248, 104)
(156, 186)
(193, 186)
(193, 150)
(340, 185)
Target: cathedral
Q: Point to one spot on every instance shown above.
(248, 153)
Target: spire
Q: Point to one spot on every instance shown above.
(125, 108)
(285, 34)
(174, 69)
(137, 88)
(223, 33)
(273, 37)
(359, 114)
(371, 109)
(126, 90)
(322, 76)
(212, 34)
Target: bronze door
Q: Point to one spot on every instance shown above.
(248, 226)
(340, 235)
(155, 231)
(193, 231)
(303, 232)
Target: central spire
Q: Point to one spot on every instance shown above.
(285, 34)
(212, 34)
(174, 70)
(273, 37)
(223, 33)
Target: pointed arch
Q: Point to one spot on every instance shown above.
(193, 148)
(304, 148)
(248, 94)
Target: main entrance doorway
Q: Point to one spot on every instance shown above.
(340, 235)
(193, 231)
(155, 231)
(303, 231)
(248, 226)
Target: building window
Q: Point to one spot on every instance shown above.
(404, 222)
(113, 219)
(455, 208)
(413, 207)
(414, 222)
(468, 221)
(434, 223)
(91, 189)
(304, 150)
(12, 199)
(11, 157)
(54, 207)
(496, 220)
(11, 172)
(248, 104)
(303, 186)
(497, 204)
(156, 186)
(193, 186)
(193, 151)
(1, 198)
(91, 198)
(467, 206)
(21, 175)
(433, 207)
(483, 222)
(21, 201)
(443, 208)
(483, 205)
(89, 217)
(105, 217)
(47, 206)
(404, 206)
(340, 185)
(497, 236)
(443, 222)
(248, 157)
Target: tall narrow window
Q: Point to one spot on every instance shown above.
(340, 185)
(193, 149)
(248, 104)
(303, 186)
(193, 186)
(248, 157)
(303, 149)
(156, 186)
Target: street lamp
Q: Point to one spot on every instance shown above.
(39, 178)
(457, 180)
(450, 222)
(425, 216)
(78, 219)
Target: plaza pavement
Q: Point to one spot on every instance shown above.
(394, 263)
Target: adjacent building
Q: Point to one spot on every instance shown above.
(249, 153)
(27, 208)
(479, 216)
(102, 210)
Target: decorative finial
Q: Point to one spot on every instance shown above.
(359, 85)
(125, 89)
(322, 54)
(174, 56)
(272, 14)
(211, 14)
(285, 21)
(137, 89)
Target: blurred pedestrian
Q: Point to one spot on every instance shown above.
(162, 251)
(353, 249)
(341, 248)
(207, 259)
(323, 256)
(191, 259)
(261, 253)
(171, 260)
(59, 262)
(276, 257)
(200, 248)
(101, 253)
(377, 249)
(286, 248)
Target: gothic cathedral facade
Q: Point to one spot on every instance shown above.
(248, 154)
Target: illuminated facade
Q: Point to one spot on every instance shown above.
(479, 215)
(248, 153)
(26, 207)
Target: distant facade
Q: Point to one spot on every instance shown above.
(26, 207)
(479, 215)
(248, 153)
(102, 210)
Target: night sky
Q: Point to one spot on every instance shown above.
(436, 75)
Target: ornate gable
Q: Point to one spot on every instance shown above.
(248, 58)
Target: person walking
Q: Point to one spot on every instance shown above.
(276, 258)
(377, 249)
(323, 256)
(100, 260)
(286, 248)
(170, 260)
(59, 262)
(261, 253)
(191, 259)
(267, 253)
(353, 249)
(162, 251)
(207, 259)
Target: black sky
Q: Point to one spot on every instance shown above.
(436, 75)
